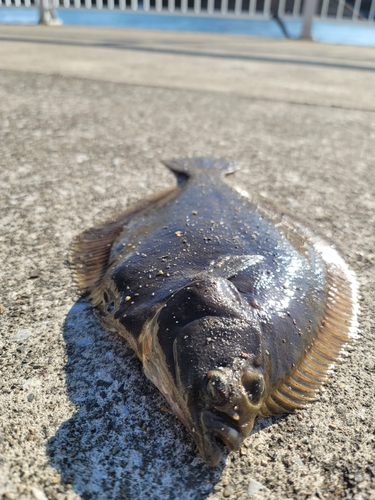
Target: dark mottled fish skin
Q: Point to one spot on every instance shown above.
(235, 309)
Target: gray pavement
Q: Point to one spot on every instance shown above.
(86, 115)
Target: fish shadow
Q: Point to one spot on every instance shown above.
(122, 441)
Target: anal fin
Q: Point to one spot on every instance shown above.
(336, 331)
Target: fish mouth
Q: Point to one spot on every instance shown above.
(215, 431)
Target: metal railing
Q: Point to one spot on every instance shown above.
(357, 11)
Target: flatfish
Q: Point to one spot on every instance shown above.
(235, 309)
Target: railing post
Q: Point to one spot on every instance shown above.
(47, 13)
(309, 9)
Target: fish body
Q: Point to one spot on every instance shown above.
(235, 309)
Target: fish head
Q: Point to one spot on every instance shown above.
(233, 400)
(217, 364)
(224, 392)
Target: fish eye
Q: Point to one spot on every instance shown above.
(253, 383)
(217, 389)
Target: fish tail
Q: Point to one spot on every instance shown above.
(197, 167)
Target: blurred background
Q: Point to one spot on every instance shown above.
(331, 21)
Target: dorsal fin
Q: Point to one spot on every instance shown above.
(337, 330)
(91, 249)
(90, 252)
(197, 167)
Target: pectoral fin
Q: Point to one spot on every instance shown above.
(230, 265)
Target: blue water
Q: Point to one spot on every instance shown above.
(322, 31)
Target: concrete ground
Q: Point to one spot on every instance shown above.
(86, 115)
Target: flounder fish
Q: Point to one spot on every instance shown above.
(236, 309)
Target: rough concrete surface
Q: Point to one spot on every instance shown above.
(77, 417)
